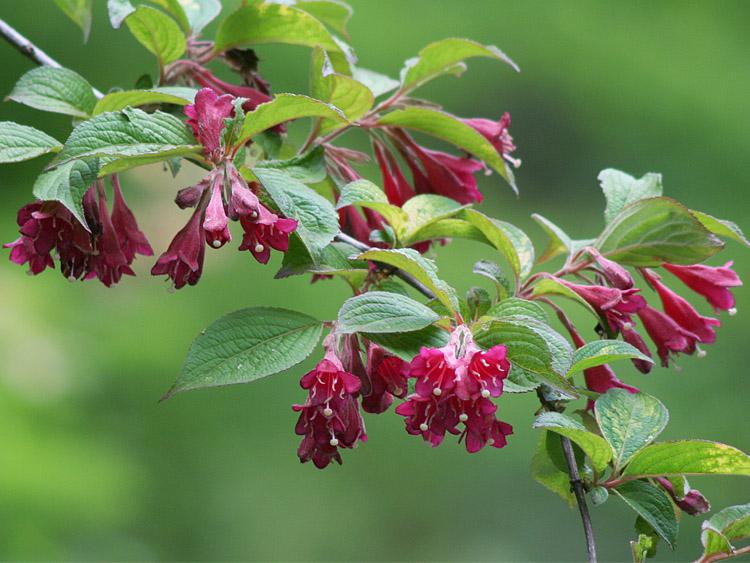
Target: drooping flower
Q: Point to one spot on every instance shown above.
(616, 276)
(107, 262)
(38, 231)
(330, 418)
(207, 79)
(633, 337)
(387, 377)
(616, 305)
(682, 312)
(496, 132)
(669, 337)
(396, 188)
(265, 232)
(206, 116)
(216, 222)
(132, 240)
(453, 386)
(713, 283)
(183, 260)
(690, 501)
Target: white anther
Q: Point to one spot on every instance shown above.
(70, 278)
(437, 391)
(423, 427)
(463, 417)
(491, 441)
(253, 214)
(627, 326)
(701, 353)
(216, 243)
(334, 442)
(732, 312)
(258, 247)
(485, 393)
(327, 412)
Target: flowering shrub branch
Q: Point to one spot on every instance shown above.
(405, 336)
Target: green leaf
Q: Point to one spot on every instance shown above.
(57, 90)
(67, 184)
(652, 231)
(629, 421)
(175, 9)
(559, 241)
(600, 352)
(332, 260)
(648, 539)
(687, 457)
(515, 306)
(511, 241)
(200, 12)
(366, 194)
(724, 527)
(520, 381)
(272, 23)
(20, 142)
(422, 211)
(380, 311)
(551, 286)
(406, 345)
(246, 345)
(118, 10)
(653, 505)
(621, 189)
(116, 101)
(493, 272)
(594, 446)
(446, 56)
(599, 496)
(452, 130)
(333, 13)
(545, 467)
(80, 12)
(131, 137)
(158, 33)
(376, 82)
(309, 167)
(423, 270)
(285, 107)
(317, 221)
(533, 346)
(721, 227)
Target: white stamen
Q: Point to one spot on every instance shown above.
(627, 326)
(732, 312)
(70, 278)
(491, 442)
(701, 353)
(463, 417)
(485, 393)
(216, 243)
(258, 247)
(484, 363)
(423, 427)
(334, 442)
(327, 412)
(437, 391)
(254, 214)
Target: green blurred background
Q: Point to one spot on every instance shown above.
(93, 468)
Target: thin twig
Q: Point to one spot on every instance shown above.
(28, 49)
(722, 556)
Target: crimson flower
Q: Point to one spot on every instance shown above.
(206, 116)
(496, 132)
(690, 501)
(616, 305)
(713, 283)
(396, 188)
(669, 337)
(216, 222)
(387, 376)
(183, 260)
(265, 232)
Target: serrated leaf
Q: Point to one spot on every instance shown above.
(621, 189)
(309, 167)
(721, 227)
(158, 33)
(559, 241)
(442, 57)
(175, 9)
(629, 421)
(545, 467)
(333, 13)
(317, 221)
(515, 306)
(652, 231)
(200, 13)
(285, 107)
(332, 260)
(550, 286)
(128, 138)
(600, 352)
(247, 345)
(376, 82)
(272, 23)
(493, 272)
(726, 526)
(79, 11)
(421, 268)
(58, 90)
(520, 381)
(422, 211)
(533, 346)
(380, 311)
(511, 241)
(116, 101)
(449, 128)
(653, 505)
(67, 184)
(594, 446)
(20, 142)
(366, 194)
(688, 457)
(406, 345)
